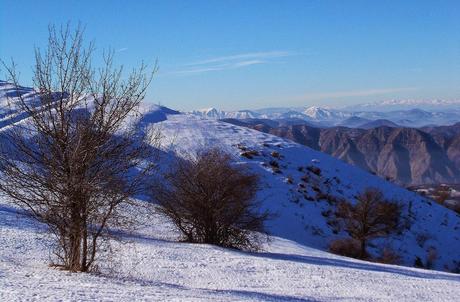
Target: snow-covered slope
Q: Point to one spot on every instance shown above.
(8, 91)
(305, 215)
(152, 266)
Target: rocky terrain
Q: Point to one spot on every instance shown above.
(407, 156)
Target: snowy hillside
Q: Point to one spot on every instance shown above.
(301, 189)
(151, 266)
(304, 201)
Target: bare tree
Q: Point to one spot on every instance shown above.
(371, 217)
(210, 200)
(78, 156)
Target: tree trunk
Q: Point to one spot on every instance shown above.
(363, 249)
(75, 240)
(84, 260)
(75, 252)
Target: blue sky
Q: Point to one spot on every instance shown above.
(254, 54)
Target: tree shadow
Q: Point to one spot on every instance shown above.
(18, 218)
(238, 294)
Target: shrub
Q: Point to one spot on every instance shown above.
(371, 217)
(241, 147)
(212, 201)
(441, 194)
(249, 154)
(276, 154)
(418, 262)
(431, 256)
(314, 170)
(388, 256)
(345, 247)
(455, 269)
(274, 164)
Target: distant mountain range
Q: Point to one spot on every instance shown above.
(391, 105)
(360, 116)
(407, 156)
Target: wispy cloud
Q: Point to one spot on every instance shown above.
(218, 67)
(353, 93)
(231, 62)
(122, 49)
(244, 56)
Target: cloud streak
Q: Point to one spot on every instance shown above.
(231, 62)
(218, 67)
(245, 56)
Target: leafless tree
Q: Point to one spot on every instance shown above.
(371, 217)
(211, 200)
(78, 156)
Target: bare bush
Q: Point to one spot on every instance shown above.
(372, 216)
(431, 257)
(345, 247)
(388, 256)
(441, 194)
(76, 159)
(210, 200)
(314, 170)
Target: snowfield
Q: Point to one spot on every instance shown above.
(302, 189)
(152, 266)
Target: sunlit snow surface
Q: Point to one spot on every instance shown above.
(153, 267)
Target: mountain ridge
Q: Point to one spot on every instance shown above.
(330, 117)
(408, 156)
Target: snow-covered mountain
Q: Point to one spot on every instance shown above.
(323, 114)
(209, 113)
(214, 113)
(328, 117)
(242, 114)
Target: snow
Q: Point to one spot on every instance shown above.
(151, 266)
(323, 114)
